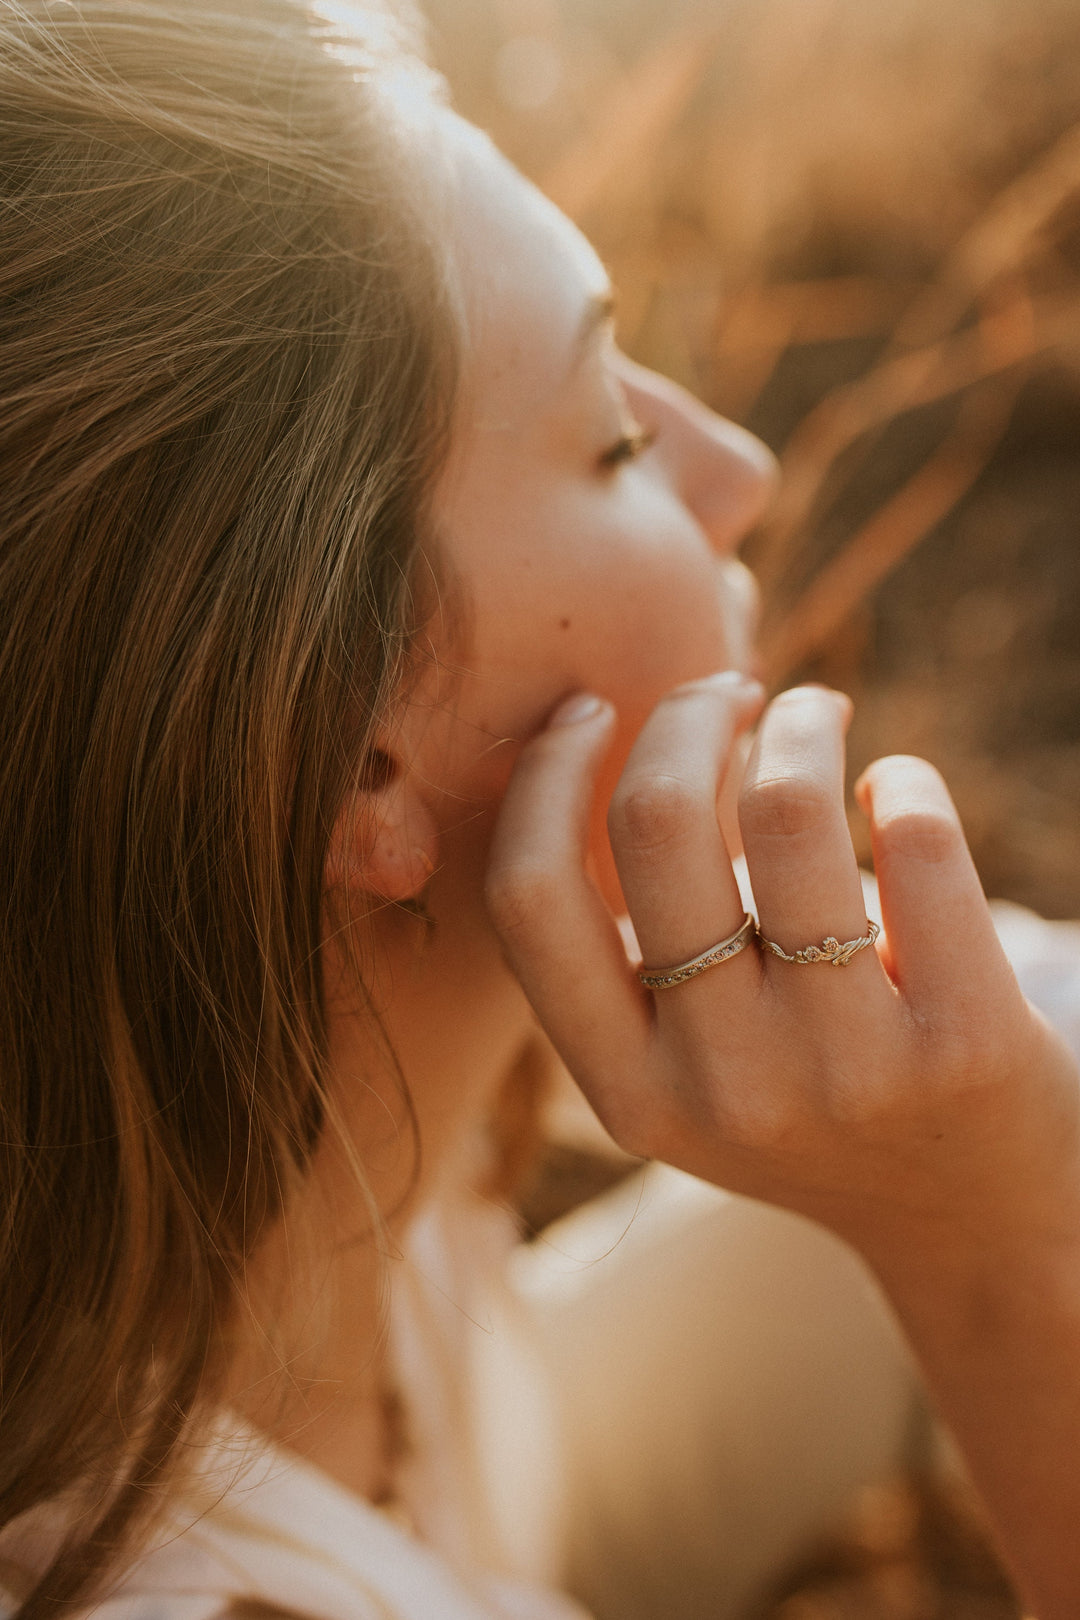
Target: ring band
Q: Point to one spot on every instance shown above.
(664, 978)
(830, 950)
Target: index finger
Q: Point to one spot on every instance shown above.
(558, 935)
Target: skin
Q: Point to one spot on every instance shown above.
(911, 1100)
(565, 556)
(567, 567)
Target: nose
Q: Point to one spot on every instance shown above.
(725, 475)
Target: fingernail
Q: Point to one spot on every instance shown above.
(814, 689)
(731, 680)
(582, 706)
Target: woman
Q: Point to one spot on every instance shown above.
(327, 498)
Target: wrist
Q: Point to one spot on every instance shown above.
(956, 1297)
(997, 1334)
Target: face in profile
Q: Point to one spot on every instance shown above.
(591, 510)
(585, 535)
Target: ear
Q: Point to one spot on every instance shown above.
(386, 839)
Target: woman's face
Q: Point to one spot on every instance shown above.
(585, 530)
(589, 515)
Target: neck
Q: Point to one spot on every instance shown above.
(454, 1021)
(310, 1364)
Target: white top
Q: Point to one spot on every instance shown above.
(265, 1525)
(282, 1531)
(476, 1539)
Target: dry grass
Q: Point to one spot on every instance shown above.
(856, 228)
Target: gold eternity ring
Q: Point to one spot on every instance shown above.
(830, 950)
(665, 978)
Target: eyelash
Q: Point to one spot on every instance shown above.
(628, 447)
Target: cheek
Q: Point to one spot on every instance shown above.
(660, 615)
(665, 610)
(610, 590)
(619, 594)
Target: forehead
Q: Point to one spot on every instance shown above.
(528, 278)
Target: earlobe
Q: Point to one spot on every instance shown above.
(386, 839)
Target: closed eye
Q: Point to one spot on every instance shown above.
(628, 446)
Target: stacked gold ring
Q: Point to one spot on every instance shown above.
(830, 950)
(665, 978)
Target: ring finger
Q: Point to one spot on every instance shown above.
(798, 848)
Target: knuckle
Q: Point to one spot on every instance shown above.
(784, 807)
(628, 1133)
(966, 1055)
(623, 1120)
(653, 814)
(518, 896)
(768, 1129)
(647, 1123)
(760, 1119)
(857, 1103)
(921, 835)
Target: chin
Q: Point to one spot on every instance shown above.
(740, 611)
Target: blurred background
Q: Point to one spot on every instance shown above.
(854, 226)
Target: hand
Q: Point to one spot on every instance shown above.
(911, 1099)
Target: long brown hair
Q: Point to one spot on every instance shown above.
(226, 362)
